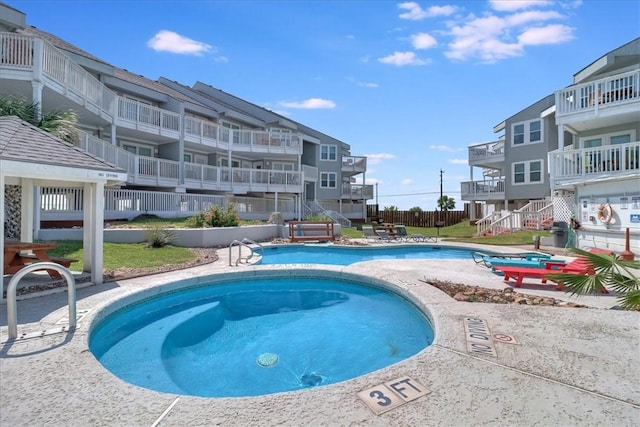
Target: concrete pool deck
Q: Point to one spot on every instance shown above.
(571, 366)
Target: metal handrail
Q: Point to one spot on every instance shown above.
(244, 243)
(12, 312)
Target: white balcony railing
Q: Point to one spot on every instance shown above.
(489, 151)
(148, 116)
(357, 192)
(619, 159)
(482, 190)
(603, 93)
(30, 53)
(354, 164)
(241, 179)
(261, 141)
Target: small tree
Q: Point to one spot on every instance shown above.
(610, 272)
(446, 203)
(415, 209)
(391, 208)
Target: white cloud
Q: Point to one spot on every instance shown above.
(443, 147)
(401, 59)
(416, 13)
(309, 104)
(374, 159)
(368, 85)
(221, 59)
(491, 38)
(459, 161)
(423, 41)
(407, 181)
(551, 34)
(168, 41)
(511, 5)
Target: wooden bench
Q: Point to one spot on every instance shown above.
(311, 231)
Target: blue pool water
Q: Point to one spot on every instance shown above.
(345, 255)
(257, 337)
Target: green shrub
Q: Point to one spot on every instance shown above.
(159, 237)
(215, 217)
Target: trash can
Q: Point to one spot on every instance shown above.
(560, 231)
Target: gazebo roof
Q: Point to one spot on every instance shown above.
(24, 143)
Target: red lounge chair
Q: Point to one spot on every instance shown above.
(578, 266)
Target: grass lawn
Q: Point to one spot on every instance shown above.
(465, 233)
(127, 255)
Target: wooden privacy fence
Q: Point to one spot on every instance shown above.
(418, 219)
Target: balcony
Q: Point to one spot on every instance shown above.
(482, 190)
(489, 154)
(146, 118)
(241, 180)
(587, 164)
(29, 58)
(357, 192)
(259, 141)
(605, 102)
(353, 165)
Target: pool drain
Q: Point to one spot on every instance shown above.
(268, 360)
(311, 380)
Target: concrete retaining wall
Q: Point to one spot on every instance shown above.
(188, 238)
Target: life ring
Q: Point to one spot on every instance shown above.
(605, 212)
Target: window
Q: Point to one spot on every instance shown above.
(527, 132)
(518, 134)
(328, 180)
(138, 149)
(527, 172)
(535, 134)
(328, 152)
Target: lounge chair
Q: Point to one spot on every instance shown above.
(526, 260)
(401, 232)
(580, 265)
(386, 237)
(369, 233)
(487, 259)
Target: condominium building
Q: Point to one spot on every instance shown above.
(183, 148)
(572, 157)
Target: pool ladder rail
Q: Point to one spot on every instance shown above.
(12, 304)
(256, 251)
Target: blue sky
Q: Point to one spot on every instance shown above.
(409, 84)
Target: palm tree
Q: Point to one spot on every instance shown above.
(61, 124)
(610, 272)
(446, 203)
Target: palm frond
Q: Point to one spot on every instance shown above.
(610, 272)
(13, 105)
(61, 124)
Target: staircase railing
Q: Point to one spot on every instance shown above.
(534, 215)
(313, 208)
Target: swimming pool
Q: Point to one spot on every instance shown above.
(266, 334)
(345, 255)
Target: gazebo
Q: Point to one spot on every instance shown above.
(31, 158)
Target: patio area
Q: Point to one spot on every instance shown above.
(570, 366)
